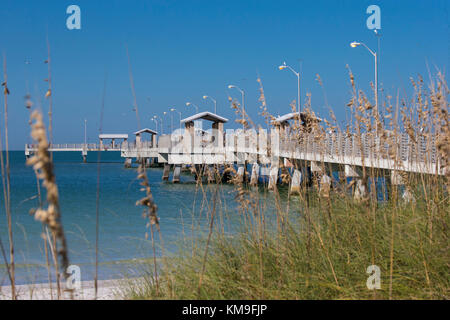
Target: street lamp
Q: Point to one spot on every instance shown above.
(85, 135)
(173, 109)
(284, 66)
(355, 44)
(161, 122)
(156, 122)
(191, 104)
(230, 86)
(171, 120)
(164, 113)
(215, 103)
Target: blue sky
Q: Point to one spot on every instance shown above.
(181, 50)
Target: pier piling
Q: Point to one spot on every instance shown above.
(325, 185)
(128, 162)
(166, 172)
(296, 182)
(240, 173)
(273, 177)
(398, 181)
(255, 174)
(176, 173)
(360, 191)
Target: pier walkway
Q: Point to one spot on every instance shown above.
(274, 149)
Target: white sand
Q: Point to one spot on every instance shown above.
(107, 290)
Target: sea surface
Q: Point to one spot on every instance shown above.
(183, 210)
(122, 240)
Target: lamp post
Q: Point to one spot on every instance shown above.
(156, 123)
(215, 102)
(171, 120)
(161, 122)
(173, 109)
(284, 66)
(243, 101)
(191, 104)
(85, 135)
(355, 44)
(164, 113)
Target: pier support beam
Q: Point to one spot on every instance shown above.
(273, 177)
(255, 174)
(397, 180)
(210, 173)
(285, 175)
(166, 172)
(350, 172)
(296, 182)
(341, 177)
(316, 172)
(325, 185)
(128, 162)
(240, 173)
(316, 167)
(360, 189)
(84, 158)
(176, 173)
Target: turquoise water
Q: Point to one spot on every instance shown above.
(122, 243)
(122, 227)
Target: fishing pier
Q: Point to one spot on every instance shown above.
(269, 152)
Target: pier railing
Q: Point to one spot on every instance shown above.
(75, 147)
(399, 152)
(394, 151)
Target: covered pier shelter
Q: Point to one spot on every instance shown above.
(197, 153)
(152, 133)
(217, 121)
(217, 126)
(306, 120)
(113, 137)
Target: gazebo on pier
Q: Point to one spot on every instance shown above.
(217, 121)
(113, 138)
(306, 120)
(189, 138)
(152, 133)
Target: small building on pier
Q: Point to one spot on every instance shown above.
(307, 120)
(217, 125)
(217, 121)
(152, 133)
(113, 137)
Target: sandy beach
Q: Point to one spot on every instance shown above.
(107, 290)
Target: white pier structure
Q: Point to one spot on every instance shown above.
(85, 147)
(141, 149)
(303, 147)
(268, 151)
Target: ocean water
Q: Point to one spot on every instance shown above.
(123, 247)
(122, 228)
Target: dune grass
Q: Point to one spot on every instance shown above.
(317, 257)
(320, 243)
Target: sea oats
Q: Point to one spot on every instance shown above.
(43, 166)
